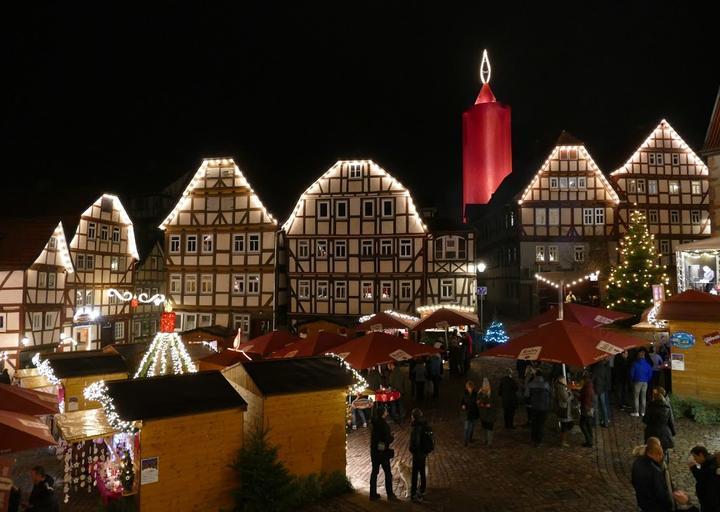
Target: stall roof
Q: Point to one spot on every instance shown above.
(173, 395)
(706, 244)
(691, 305)
(79, 426)
(131, 352)
(81, 363)
(298, 375)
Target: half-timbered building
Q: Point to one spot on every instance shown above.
(450, 263)
(150, 280)
(104, 253)
(34, 264)
(357, 245)
(666, 180)
(220, 252)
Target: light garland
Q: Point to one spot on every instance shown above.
(143, 298)
(652, 317)
(163, 345)
(62, 248)
(360, 382)
(592, 276)
(396, 314)
(431, 308)
(45, 370)
(97, 391)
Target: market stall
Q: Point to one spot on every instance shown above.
(389, 321)
(216, 335)
(698, 265)
(225, 358)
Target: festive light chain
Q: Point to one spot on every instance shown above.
(434, 307)
(360, 384)
(496, 333)
(163, 343)
(652, 317)
(45, 370)
(401, 316)
(97, 391)
(593, 276)
(126, 296)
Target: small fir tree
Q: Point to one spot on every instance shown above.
(495, 333)
(630, 283)
(127, 475)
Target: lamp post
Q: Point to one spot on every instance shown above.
(481, 291)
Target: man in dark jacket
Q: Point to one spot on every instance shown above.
(419, 454)
(538, 391)
(380, 454)
(42, 497)
(707, 479)
(658, 421)
(601, 384)
(508, 391)
(648, 479)
(621, 375)
(434, 367)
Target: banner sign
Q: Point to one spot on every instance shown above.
(712, 338)
(530, 353)
(682, 340)
(608, 348)
(400, 355)
(603, 320)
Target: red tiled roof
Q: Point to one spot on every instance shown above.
(712, 138)
(690, 305)
(22, 240)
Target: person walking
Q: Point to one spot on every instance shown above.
(587, 399)
(487, 410)
(469, 404)
(508, 391)
(380, 454)
(601, 386)
(420, 374)
(397, 382)
(640, 375)
(659, 423)
(649, 480)
(563, 400)
(421, 445)
(621, 374)
(538, 392)
(704, 468)
(435, 371)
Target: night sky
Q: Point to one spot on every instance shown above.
(127, 100)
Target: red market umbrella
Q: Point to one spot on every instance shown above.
(563, 341)
(268, 342)
(20, 432)
(443, 318)
(316, 344)
(377, 348)
(587, 316)
(387, 320)
(27, 401)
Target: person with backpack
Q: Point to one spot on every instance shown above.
(422, 444)
(380, 454)
(538, 393)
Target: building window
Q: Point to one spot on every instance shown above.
(321, 290)
(91, 231)
(175, 283)
(174, 243)
(652, 187)
(341, 209)
(323, 209)
(674, 187)
(366, 248)
(42, 280)
(254, 242)
(190, 284)
(114, 263)
(304, 289)
(322, 249)
(52, 243)
(368, 208)
(588, 216)
(253, 284)
(695, 216)
(674, 217)
(388, 207)
(651, 158)
(641, 186)
(112, 299)
(206, 284)
(665, 246)
(695, 188)
(238, 284)
(51, 280)
(119, 330)
(207, 244)
(3, 320)
(539, 253)
(191, 243)
(563, 183)
(658, 158)
(138, 329)
(385, 247)
(303, 249)
(572, 182)
(80, 262)
(205, 320)
(104, 233)
(386, 290)
(579, 253)
(355, 171)
(340, 249)
(405, 248)
(599, 216)
(367, 290)
(553, 183)
(675, 159)
(540, 216)
(554, 216)
(340, 290)
(582, 182)
(553, 253)
(239, 242)
(190, 321)
(241, 323)
(447, 289)
(116, 235)
(632, 186)
(405, 290)
(653, 216)
(37, 321)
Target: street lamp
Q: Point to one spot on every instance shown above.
(480, 267)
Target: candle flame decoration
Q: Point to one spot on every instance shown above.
(485, 68)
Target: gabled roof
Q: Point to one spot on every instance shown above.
(124, 218)
(23, 240)
(690, 305)
(568, 139)
(166, 396)
(299, 375)
(712, 137)
(85, 362)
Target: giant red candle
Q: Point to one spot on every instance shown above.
(487, 145)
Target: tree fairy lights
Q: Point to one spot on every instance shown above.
(495, 333)
(630, 283)
(98, 391)
(167, 348)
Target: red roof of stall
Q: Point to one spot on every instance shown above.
(690, 305)
(378, 348)
(20, 432)
(27, 401)
(452, 317)
(587, 316)
(316, 344)
(268, 342)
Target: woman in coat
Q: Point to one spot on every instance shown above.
(659, 422)
(487, 410)
(469, 404)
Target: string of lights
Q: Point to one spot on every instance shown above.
(593, 276)
(360, 382)
(396, 314)
(98, 391)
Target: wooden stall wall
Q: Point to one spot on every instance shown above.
(74, 387)
(194, 454)
(701, 378)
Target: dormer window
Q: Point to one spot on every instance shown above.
(355, 170)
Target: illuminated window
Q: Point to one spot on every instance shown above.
(174, 243)
(447, 289)
(366, 248)
(539, 253)
(599, 216)
(303, 249)
(114, 263)
(116, 235)
(553, 183)
(641, 186)
(323, 209)
(190, 284)
(696, 187)
(340, 290)
(563, 183)
(674, 187)
(553, 253)
(322, 249)
(304, 289)
(254, 242)
(321, 290)
(572, 182)
(653, 216)
(91, 230)
(207, 243)
(368, 208)
(340, 249)
(695, 216)
(674, 217)
(367, 290)
(652, 187)
(405, 248)
(355, 170)
(385, 247)
(540, 216)
(579, 253)
(119, 330)
(191, 243)
(386, 290)
(206, 284)
(238, 283)
(175, 283)
(588, 216)
(388, 207)
(253, 284)
(239, 242)
(341, 209)
(405, 290)
(553, 216)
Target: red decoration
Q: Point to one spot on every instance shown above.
(487, 148)
(167, 321)
(134, 303)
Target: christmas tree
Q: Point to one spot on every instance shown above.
(167, 351)
(630, 284)
(495, 333)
